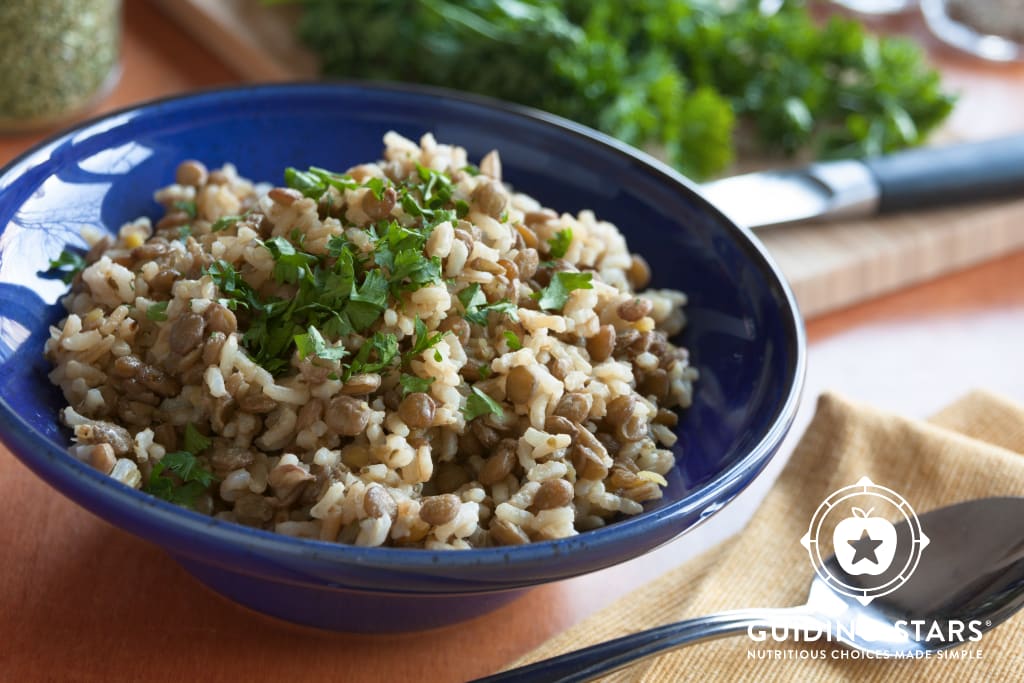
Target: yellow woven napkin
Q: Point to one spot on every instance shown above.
(972, 449)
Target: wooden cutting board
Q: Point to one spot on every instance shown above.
(829, 265)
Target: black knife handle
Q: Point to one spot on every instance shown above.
(925, 177)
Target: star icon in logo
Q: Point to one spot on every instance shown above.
(865, 548)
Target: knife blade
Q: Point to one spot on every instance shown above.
(904, 181)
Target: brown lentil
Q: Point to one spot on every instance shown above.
(377, 502)
(602, 345)
(191, 172)
(488, 197)
(450, 476)
(439, 510)
(102, 458)
(506, 533)
(574, 406)
(634, 309)
(639, 273)
(587, 463)
(457, 326)
(417, 410)
(499, 465)
(620, 409)
(528, 235)
(187, 333)
(358, 385)
(379, 209)
(666, 417)
(553, 493)
(347, 416)
(253, 509)
(556, 424)
(220, 318)
(285, 196)
(632, 429)
(519, 384)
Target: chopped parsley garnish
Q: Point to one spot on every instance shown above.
(184, 232)
(422, 340)
(382, 347)
(188, 206)
(157, 311)
(559, 244)
(512, 339)
(345, 291)
(471, 169)
(461, 208)
(411, 384)
(195, 442)
(312, 343)
(224, 222)
(69, 264)
(484, 371)
(179, 477)
(554, 296)
(476, 308)
(478, 403)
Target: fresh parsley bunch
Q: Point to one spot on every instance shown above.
(677, 76)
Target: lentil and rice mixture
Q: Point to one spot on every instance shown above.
(406, 354)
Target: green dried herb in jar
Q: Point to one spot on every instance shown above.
(57, 57)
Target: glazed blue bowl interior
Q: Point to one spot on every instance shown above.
(744, 333)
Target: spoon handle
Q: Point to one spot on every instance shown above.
(603, 658)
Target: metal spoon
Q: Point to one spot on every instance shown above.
(970, 578)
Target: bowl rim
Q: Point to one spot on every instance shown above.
(54, 464)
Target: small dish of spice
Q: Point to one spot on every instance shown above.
(57, 57)
(990, 29)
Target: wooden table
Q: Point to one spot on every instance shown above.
(81, 600)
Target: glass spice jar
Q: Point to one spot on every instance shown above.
(57, 58)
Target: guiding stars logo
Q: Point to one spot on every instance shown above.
(874, 556)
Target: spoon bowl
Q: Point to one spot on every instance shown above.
(970, 579)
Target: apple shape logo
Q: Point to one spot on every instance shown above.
(864, 544)
(873, 557)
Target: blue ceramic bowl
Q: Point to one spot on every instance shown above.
(744, 334)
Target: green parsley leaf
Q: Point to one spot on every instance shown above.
(554, 296)
(413, 270)
(69, 263)
(307, 182)
(341, 181)
(476, 308)
(559, 244)
(188, 206)
(411, 384)
(290, 265)
(195, 443)
(471, 169)
(513, 340)
(157, 311)
(312, 343)
(422, 340)
(461, 208)
(478, 403)
(384, 345)
(193, 479)
(484, 371)
(472, 297)
(184, 232)
(224, 222)
(376, 186)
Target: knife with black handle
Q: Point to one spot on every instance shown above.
(905, 181)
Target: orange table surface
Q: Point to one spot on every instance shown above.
(81, 600)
